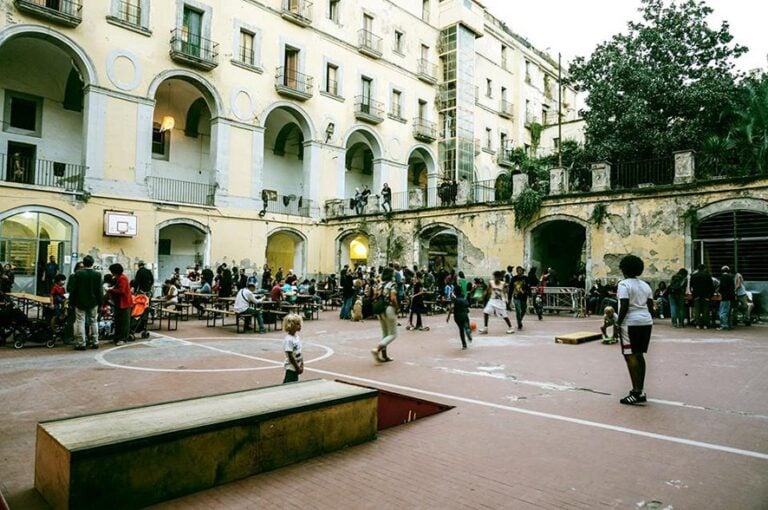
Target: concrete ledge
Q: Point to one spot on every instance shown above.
(135, 457)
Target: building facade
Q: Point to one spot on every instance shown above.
(193, 131)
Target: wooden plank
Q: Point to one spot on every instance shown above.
(131, 458)
(578, 337)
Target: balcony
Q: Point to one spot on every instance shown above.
(426, 71)
(506, 158)
(368, 110)
(128, 15)
(40, 172)
(368, 43)
(424, 130)
(293, 84)
(298, 12)
(505, 109)
(62, 12)
(193, 50)
(530, 119)
(291, 205)
(181, 192)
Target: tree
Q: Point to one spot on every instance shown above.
(748, 136)
(661, 86)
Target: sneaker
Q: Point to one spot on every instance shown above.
(633, 398)
(482, 331)
(93, 346)
(510, 331)
(119, 342)
(375, 353)
(79, 347)
(661, 316)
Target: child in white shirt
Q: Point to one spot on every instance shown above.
(294, 362)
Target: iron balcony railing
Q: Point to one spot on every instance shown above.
(369, 43)
(332, 87)
(505, 108)
(639, 174)
(298, 11)
(506, 157)
(194, 49)
(424, 130)
(368, 109)
(426, 70)
(184, 192)
(292, 205)
(291, 82)
(65, 12)
(128, 12)
(41, 172)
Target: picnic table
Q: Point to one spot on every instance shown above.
(27, 301)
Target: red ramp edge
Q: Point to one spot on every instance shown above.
(397, 409)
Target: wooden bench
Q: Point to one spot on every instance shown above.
(170, 314)
(313, 308)
(274, 318)
(578, 337)
(214, 314)
(133, 458)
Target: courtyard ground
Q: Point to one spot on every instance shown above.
(535, 424)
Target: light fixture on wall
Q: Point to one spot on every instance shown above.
(168, 122)
(329, 131)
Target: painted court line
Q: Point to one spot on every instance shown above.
(539, 414)
(567, 419)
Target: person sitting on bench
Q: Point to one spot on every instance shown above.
(245, 305)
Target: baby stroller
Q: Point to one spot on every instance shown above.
(41, 331)
(106, 323)
(139, 316)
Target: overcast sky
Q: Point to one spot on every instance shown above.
(576, 27)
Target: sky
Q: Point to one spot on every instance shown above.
(576, 27)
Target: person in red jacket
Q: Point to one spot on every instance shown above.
(120, 293)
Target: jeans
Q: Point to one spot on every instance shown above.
(701, 311)
(253, 312)
(388, 322)
(520, 303)
(81, 317)
(725, 314)
(677, 308)
(464, 330)
(346, 308)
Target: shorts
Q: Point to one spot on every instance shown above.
(496, 307)
(635, 339)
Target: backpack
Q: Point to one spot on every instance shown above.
(381, 302)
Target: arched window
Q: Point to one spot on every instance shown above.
(738, 239)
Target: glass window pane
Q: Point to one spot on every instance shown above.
(52, 227)
(22, 225)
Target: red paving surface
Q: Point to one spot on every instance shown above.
(536, 425)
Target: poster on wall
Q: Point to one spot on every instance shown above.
(120, 224)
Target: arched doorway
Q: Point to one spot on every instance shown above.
(285, 248)
(29, 238)
(503, 188)
(286, 169)
(182, 165)
(354, 248)
(736, 238)
(43, 83)
(362, 149)
(421, 178)
(560, 244)
(180, 244)
(438, 247)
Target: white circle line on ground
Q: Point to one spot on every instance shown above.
(277, 364)
(568, 419)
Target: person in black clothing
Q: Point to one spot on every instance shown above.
(386, 198)
(519, 293)
(143, 280)
(266, 278)
(347, 294)
(727, 291)
(207, 275)
(242, 279)
(702, 289)
(225, 283)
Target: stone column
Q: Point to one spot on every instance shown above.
(601, 176)
(94, 121)
(685, 166)
(558, 181)
(219, 171)
(312, 170)
(144, 113)
(519, 183)
(257, 163)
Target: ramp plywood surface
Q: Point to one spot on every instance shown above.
(577, 338)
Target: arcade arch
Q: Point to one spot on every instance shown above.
(561, 243)
(286, 248)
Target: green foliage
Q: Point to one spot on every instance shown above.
(396, 247)
(661, 86)
(536, 130)
(748, 135)
(692, 216)
(598, 214)
(526, 206)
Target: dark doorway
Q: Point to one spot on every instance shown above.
(561, 245)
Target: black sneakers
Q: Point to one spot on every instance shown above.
(633, 398)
